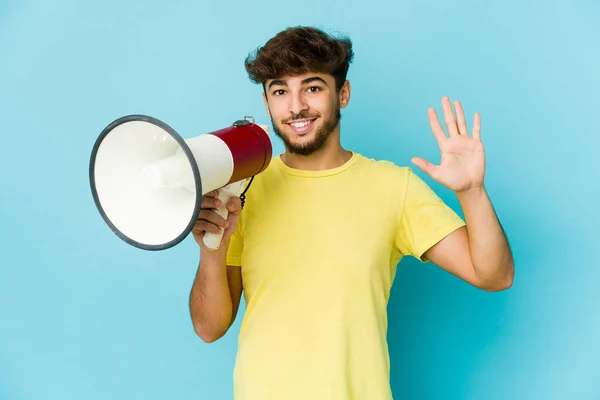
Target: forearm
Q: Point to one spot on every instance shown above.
(210, 297)
(490, 251)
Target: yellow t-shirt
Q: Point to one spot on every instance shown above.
(318, 252)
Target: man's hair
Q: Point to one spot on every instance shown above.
(299, 50)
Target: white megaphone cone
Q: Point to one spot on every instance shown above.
(148, 182)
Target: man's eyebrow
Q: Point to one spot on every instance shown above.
(281, 82)
(277, 82)
(314, 79)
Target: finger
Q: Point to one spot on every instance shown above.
(427, 167)
(477, 126)
(234, 204)
(460, 119)
(202, 226)
(436, 127)
(211, 216)
(210, 202)
(449, 117)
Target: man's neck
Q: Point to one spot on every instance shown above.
(320, 160)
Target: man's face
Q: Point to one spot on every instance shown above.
(305, 110)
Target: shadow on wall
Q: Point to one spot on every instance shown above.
(438, 327)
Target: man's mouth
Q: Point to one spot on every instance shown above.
(301, 126)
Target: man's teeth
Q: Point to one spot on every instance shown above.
(300, 124)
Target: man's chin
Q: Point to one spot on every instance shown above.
(298, 146)
(301, 151)
(305, 146)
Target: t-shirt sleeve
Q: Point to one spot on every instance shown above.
(236, 245)
(424, 220)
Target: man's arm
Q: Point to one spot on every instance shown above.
(217, 288)
(478, 253)
(215, 295)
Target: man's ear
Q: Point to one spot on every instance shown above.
(266, 104)
(344, 95)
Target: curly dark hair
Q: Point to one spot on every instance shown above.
(298, 50)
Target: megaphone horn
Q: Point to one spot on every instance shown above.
(147, 181)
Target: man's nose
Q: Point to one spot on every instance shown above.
(298, 104)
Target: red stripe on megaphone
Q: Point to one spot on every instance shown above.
(250, 147)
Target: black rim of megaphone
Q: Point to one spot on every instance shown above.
(191, 159)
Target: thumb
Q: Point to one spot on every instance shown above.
(427, 167)
(234, 207)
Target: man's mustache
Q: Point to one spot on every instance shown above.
(303, 115)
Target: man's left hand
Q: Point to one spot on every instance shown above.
(462, 166)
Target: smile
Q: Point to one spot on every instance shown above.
(301, 126)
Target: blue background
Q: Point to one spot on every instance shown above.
(85, 316)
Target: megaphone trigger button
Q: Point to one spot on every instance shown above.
(240, 122)
(243, 122)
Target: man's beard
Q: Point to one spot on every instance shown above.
(321, 136)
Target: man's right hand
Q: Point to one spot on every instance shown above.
(209, 221)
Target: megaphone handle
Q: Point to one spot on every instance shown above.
(213, 240)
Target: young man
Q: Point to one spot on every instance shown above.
(316, 247)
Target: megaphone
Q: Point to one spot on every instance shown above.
(147, 181)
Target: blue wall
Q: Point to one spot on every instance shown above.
(85, 316)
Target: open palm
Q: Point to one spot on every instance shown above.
(462, 165)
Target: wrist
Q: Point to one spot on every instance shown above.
(217, 255)
(471, 194)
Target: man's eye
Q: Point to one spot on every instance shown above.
(278, 92)
(314, 89)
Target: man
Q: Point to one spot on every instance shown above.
(323, 228)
